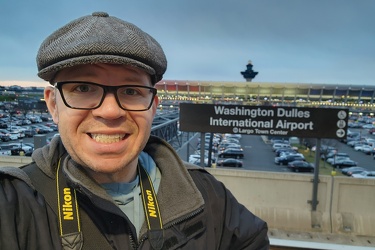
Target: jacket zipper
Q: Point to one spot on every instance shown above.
(133, 243)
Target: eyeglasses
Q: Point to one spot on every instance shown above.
(89, 95)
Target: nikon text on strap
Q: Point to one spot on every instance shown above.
(151, 208)
(94, 239)
(68, 215)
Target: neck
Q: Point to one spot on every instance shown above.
(125, 175)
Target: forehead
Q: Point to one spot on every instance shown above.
(115, 72)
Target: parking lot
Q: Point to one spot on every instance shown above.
(17, 132)
(258, 154)
(242, 152)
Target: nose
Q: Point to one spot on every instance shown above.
(109, 109)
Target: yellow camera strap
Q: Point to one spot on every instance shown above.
(68, 215)
(151, 209)
(70, 232)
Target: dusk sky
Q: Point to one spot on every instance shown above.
(288, 41)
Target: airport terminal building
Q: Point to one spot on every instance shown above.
(358, 98)
(354, 97)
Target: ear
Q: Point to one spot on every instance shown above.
(50, 98)
(155, 105)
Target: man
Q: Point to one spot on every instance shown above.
(105, 183)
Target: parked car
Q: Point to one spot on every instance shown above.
(30, 133)
(20, 148)
(238, 147)
(334, 154)
(4, 137)
(280, 145)
(25, 122)
(367, 149)
(301, 166)
(46, 118)
(26, 151)
(19, 144)
(194, 158)
(285, 159)
(333, 160)
(3, 125)
(232, 140)
(46, 128)
(38, 129)
(365, 174)
(229, 162)
(225, 146)
(274, 141)
(344, 163)
(352, 170)
(353, 142)
(35, 119)
(327, 154)
(54, 127)
(4, 152)
(324, 149)
(231, 153)
(285, 150)
(18, 133)
(236, 136)
(370, 141)
(7, 133)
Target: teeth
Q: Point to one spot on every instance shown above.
(102, 138)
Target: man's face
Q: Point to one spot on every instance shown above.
(106, 140)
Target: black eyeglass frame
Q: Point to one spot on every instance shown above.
(106, 89)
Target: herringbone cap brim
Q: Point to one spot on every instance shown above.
(100, 38)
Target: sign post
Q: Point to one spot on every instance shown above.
(314, 201)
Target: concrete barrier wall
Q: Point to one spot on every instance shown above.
(346, 205)
(14, 161)
(353, 206)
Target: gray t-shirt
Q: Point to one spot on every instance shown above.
(127, 195)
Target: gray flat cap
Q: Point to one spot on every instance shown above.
(100, 38)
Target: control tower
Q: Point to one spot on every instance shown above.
(249, 73)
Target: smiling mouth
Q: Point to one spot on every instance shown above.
(104, 138)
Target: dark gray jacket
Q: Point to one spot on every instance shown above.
(198, 212)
